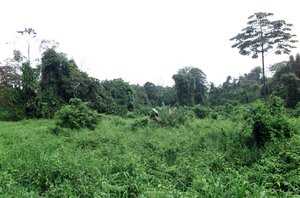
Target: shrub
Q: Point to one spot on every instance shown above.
(140, 123)
(201, 111)
(269, 121)
(214, 115)
(77, 115)
(297, 110)
(169, 116)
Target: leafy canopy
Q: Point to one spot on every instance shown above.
(263, 35)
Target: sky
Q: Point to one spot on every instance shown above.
(143, 40)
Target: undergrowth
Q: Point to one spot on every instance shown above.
(138, 158)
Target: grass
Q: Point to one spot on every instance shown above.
(203, 158)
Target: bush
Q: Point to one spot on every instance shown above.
(297, 110)
(214, 115)
(201, 111)
(269, 121)
(140, 123)
(170, 116)
(77, 115)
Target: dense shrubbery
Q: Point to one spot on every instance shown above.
(140, 123)
(170, 116)
(11, 107)
(269, 121)
(201, 111)
(77, 115)
(296, 111)
(204, 158)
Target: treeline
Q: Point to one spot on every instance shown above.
(40, 91)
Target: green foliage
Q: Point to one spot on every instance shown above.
(201, 111)
(77, 115)
(168, 96)
(286, 81)
(9, 76)
(269, 121)
(279, 168)
(11, 101)
(185, 88)
(30, 88)
(11, 106)
(190, 85)
(152, 93)
(170, 116)
(203, 158)
(297, 110)
(243, 90)
(140, 123)
(263, 32)
(263, 35)
(61, 80)
(121, 98)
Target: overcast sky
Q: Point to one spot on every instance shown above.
(140, 40)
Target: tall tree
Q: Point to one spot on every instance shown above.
(200, 83)
(152, 93)
(11, 107)
(263, 35)
(30, 87)
(190, 85)
(60, 79)
(29, 33)
(48, 44)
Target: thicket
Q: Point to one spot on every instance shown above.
(269, 121)
(76, 115)
(202, 158)
(39, 91)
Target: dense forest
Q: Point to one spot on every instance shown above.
(66, 134)
(39, 91)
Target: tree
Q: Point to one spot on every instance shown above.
(291, 82)
(185, 88)
(48, 44)
(167, 95)
(286, 81)
(121, 96)
(30, 87)
(10, 71)
(200, 83)
(152, 93)
(142, 100)
(190, 85)
(214, 94)
(296, 65)
(244, 89)
(29, 33)
(60, 78)
(9, 77)
(262, 36)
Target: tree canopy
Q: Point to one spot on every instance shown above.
(263, 35)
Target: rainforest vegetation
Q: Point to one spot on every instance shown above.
(66, 134)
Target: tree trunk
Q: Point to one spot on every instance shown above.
(263, 60)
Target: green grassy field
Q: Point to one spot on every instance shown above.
(203, 158)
